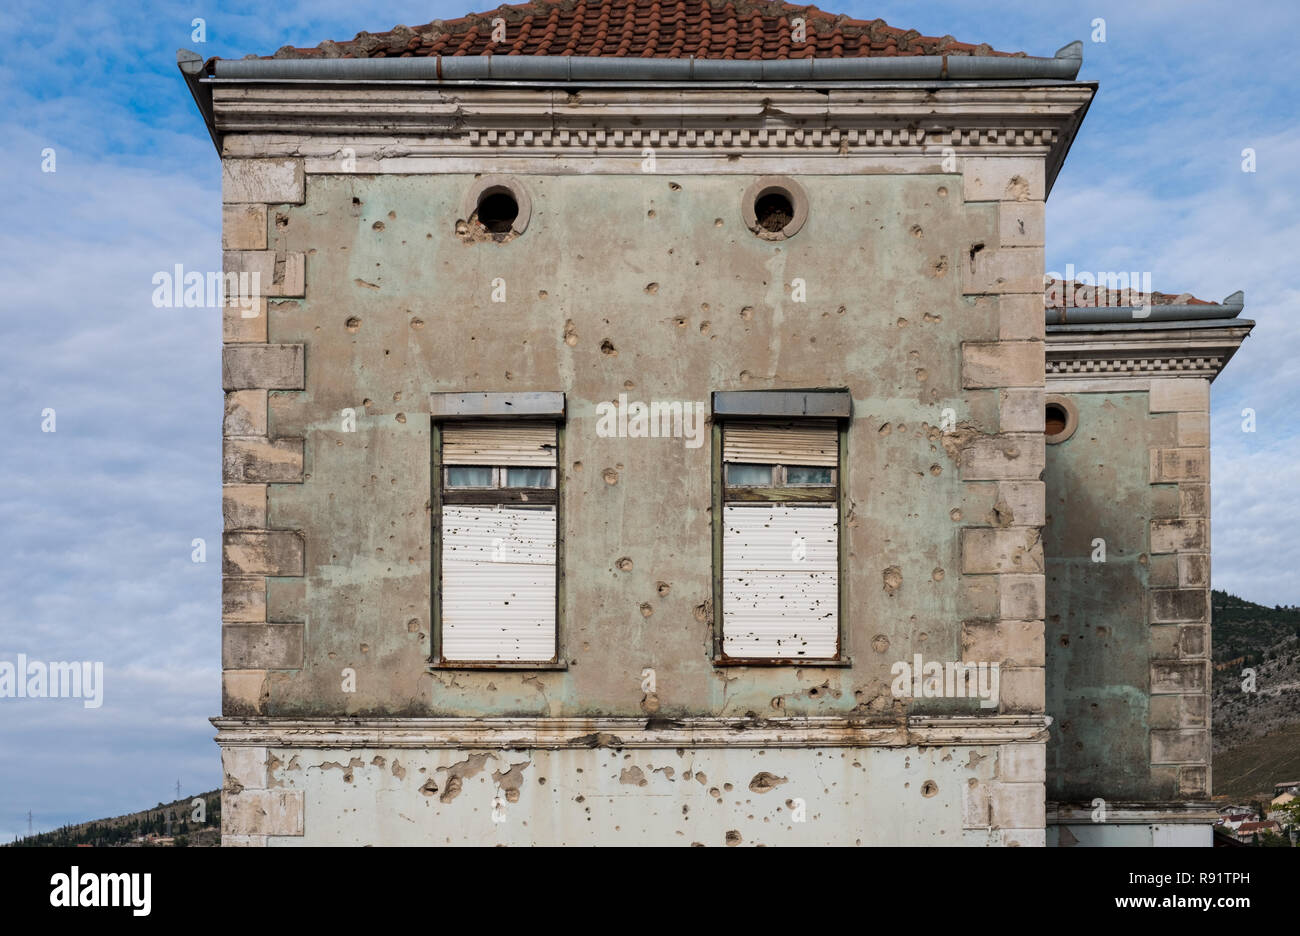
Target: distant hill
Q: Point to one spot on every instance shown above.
(1256, 734)
(143, 828)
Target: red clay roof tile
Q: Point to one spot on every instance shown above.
(715, 29)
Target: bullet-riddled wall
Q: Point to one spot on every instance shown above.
(651, 286)
(1127, 626)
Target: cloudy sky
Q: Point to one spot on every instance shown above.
(98, 518)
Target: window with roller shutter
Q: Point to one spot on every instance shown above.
(780, 541)
(497, 523)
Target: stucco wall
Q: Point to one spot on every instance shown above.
(661, 269)
(1127, 629)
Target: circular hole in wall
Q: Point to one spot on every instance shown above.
(1057, 419)
(497, 211)
(773, 210)
(774, 207)
(1060, 419)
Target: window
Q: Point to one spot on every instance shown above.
(780, 540)
(497, 545)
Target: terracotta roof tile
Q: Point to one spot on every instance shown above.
(715, 29)
(1056, 293)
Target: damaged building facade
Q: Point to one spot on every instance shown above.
(649, 431)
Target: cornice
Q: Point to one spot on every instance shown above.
(539, 121)
(1164, 352)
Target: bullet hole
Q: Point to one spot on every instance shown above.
(717, 222)
(607, 347)
(281, 220)
(1018, 188)
(624, 564)
(429, 788)
(417, 323)
(955, 515)
(943, 191)
(610, 476)
(400, 417)
(651, 288)
(542, 294)
(929, 788)
(378, 226)
(663, 588)
(893, 579)
(922, 375)
(777, 703)
(365, 648)
(1065, 640)
(497, 210)
(577, 466)
(366, 402)
(646, 609)
(747, 313)
(941, 267)
(841, 310)
(353, 324)
(413, 625)
(703, 611)
(650, 213)
(680, 321)
(930, 319)
(570, 333)
(773, 210)
(628, 385)
(901, 323)
(937, 575)
(880, 643)
(704, 327)
(936, 470)
(355, 200)
(674, 187)
(765, 782)
(917, 232)
(746, 376)
(885, 429)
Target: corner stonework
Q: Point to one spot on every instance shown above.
(1002, 552)
(1180, 591)
(252, 460)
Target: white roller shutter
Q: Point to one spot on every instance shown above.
(521, 443)
(498, 583)
(811, 443)
(780, 581)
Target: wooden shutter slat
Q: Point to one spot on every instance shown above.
(499, 444)
(806, 444)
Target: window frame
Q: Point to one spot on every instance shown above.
(724, 494)
(542, 497)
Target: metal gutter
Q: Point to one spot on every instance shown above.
(1064, 66)
(191, 66)
(1229, 308)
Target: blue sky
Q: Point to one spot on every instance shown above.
(98, 517)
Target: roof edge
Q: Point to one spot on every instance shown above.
(1064, 66)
